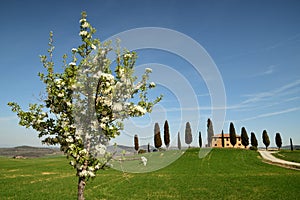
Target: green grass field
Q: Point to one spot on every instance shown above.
(289, 155)
(223, 174)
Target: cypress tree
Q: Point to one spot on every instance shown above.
(178, 141)
(166, 134)
(291, 143)
(148, 147)
(232, 134)
(200, 139)
(278, 140)
(266, 139)
(223, 142)
(157, 138)
(254, 142)
(188, 134)
(136, 142)
(210, 132)
(244, 137)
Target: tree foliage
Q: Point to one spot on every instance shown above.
(157, 138)
(210, 132)
(244, 137)
(278, 140)
(178, 141)
(166, 134)
(84, 105)
(200, 139)
(266, 139)
(291, 144)
(188, 134)
(136, 142)
(253, 139)
(232, 134)
(223, 139)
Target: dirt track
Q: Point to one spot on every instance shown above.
(267, 155)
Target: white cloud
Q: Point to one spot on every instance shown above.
(271, 94)
(271, 114)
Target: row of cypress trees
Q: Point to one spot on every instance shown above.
(210, 134)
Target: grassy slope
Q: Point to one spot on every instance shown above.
(288, 155)
(223, 174)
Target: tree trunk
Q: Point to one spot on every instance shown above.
(81, 186)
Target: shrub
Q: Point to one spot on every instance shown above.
(254, 148)
(141, 151)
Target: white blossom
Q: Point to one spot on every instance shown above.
(83, 173)
(82, 20)
(100, 148)
(74, 50)
(72, 64)
(69, 139)
(97, 167)
(103, 125)
(91, 174)
(72, 163)
(140, 109)
(148, 70)
(93, 46)
(83, 152)
(83, 33)
(152, 84)
(85, 25)
(60, 94)
(69, 103)
(117, 107)
(127, 55)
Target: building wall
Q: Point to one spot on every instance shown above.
(217, 142)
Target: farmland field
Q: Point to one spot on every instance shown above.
(222, 174)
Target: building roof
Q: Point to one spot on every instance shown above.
(225, 135)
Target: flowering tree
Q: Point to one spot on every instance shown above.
(84, 106)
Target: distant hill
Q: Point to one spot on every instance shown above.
(296, 147)
(28, 151)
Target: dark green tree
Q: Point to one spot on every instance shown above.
(253, 139)
(291, 143)
(136, 142)
(149, 147)
(188, 134)
(166, 134)
(278, 140)
(200, 139)
(244, 137)
(232, 134)
(266, 139)
(222, 137)
(157, 138)
(210, 132)
(178, 141)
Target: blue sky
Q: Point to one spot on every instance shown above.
(255, 46)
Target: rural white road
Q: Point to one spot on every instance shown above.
(267, 155)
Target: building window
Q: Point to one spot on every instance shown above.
(216, 145)
(226, 139)
(239, 139)
(239, 144)
(227, 144)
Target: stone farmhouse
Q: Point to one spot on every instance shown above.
(217, 141)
